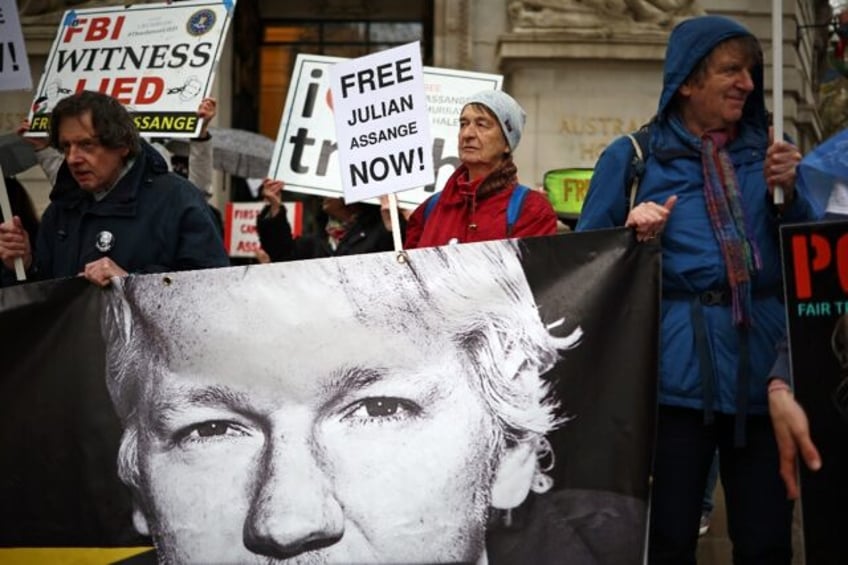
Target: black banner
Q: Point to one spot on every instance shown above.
(815, 262)
(235, 382)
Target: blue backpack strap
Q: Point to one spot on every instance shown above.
(640, 140)
(431, 203)
(516, 201)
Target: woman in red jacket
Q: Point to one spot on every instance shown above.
(473, 204)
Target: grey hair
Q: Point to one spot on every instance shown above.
(477, 294)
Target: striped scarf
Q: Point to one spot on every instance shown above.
(734, 234)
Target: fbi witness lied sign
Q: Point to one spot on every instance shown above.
(382, 124)
(157, 59)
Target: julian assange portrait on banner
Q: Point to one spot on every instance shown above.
(358, 409)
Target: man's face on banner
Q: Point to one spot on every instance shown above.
(332, 441)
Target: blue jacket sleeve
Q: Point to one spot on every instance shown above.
(606, 204)
(780, 369)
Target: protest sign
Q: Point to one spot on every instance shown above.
(240, 236)
(815, 266)
(567, 189)
(309, 400)
(382, 127)
(306, 152)
(157, 59)
(14, 64)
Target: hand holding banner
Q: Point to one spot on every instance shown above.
(6, 208)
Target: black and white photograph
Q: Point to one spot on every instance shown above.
(434, 406)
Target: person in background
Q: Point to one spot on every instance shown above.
(197, 166)
(473, 204)
(49, 158)
(115, 208)
(707, 198)
(349, 229)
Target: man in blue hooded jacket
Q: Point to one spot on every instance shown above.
(115, 208)
(706, 194)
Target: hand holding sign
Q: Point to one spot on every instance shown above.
(14, 240)
(272, 191)
(782, 160)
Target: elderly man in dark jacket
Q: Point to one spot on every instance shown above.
(115, 208)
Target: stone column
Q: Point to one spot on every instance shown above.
(583, 76)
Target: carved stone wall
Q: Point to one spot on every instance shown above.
(451, 34)
(602, 17)
(585, 70)
(587, 74)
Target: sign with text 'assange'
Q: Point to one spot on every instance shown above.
(14, 65)
(241, 238)
(157, 59)
(382, 130)
(306, 153)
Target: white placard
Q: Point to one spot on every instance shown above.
(306, 156)
(157, 59)
(240, 236)
(382, 129)
(14, 64)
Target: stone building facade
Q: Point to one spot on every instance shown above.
(585, 71)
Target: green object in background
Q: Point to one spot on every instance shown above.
(566, 189)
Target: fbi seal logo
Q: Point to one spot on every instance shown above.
(201, 21)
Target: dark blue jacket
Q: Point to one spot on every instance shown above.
(692, 261)
(159, 222)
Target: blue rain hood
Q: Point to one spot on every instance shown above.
(691, 41)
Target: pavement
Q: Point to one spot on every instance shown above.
(714, 547)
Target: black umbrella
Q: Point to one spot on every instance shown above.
(238, 152)
(16, 154)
